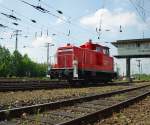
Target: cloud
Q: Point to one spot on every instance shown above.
(61, 20)
(7, 34)
(41, 41)
(110, 19)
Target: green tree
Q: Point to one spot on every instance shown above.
(5, 59)
(27, 65)
(16, 64)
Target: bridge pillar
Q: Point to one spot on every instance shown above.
(128, 69)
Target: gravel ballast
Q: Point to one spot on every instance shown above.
(24, 98)
(137, 114)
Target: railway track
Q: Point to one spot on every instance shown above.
(22, 85)
(32, 85)
(76, 111)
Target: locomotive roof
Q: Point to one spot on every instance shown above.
(91, 45)
(88, 45)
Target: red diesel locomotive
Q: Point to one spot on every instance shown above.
(90, 62)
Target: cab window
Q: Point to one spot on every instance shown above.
(106, 51)
(98, 49)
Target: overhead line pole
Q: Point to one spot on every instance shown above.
(48, 56)
(48, 44)
(16, 34)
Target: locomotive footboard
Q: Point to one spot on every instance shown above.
(88, 76)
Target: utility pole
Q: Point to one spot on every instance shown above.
(16, 34)
(48, 49)
(143, 35)
(139, 66)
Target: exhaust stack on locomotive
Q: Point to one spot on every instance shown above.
(90, 62)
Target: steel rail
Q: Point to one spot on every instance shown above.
(51, 85)
(31, 86)
(104, 113)
(37, 85)
(4, 87)
(17, 112)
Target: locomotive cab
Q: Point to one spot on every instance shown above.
(96, 47)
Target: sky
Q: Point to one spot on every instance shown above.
(76, 25)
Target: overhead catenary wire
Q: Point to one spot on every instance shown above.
(141, 11)
(138, 11)
(43, 10)
(11, 16)
(56, 10)
(57, 31)
(17, 13)
(12, 23)
(65, 20)
(29, 19)
(3, 26)
(71, 23)
(16, 23)
(99, 28)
